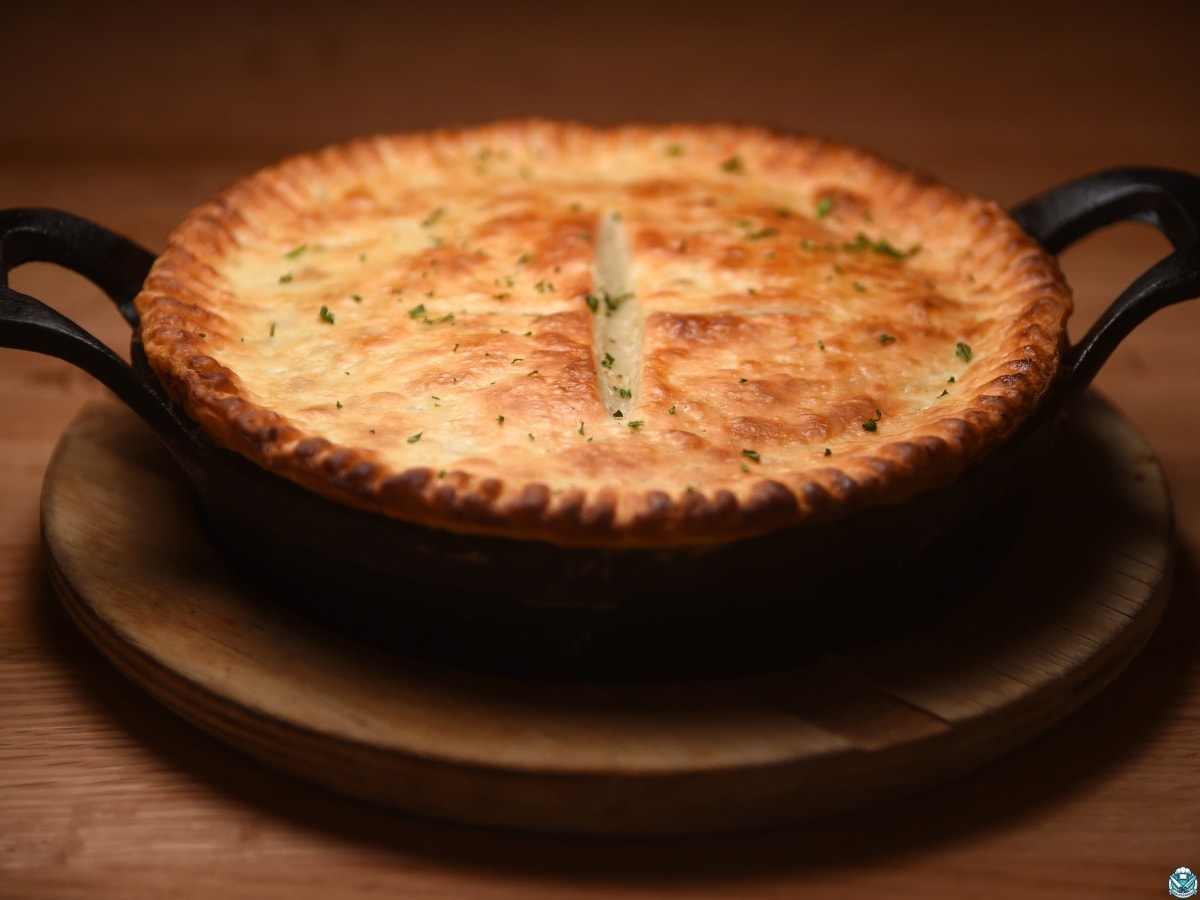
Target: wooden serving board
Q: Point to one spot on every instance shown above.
(1066, 610)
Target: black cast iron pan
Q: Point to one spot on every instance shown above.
(533, 607)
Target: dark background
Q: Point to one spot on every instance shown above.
(975, 95)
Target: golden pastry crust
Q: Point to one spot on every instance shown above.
(631, 337)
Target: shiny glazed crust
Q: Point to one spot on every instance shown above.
(631, 337)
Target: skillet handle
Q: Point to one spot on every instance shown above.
(1168, 200)
(116, 265)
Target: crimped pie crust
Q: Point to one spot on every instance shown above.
(641, 336)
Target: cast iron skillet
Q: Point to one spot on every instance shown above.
(532, 607)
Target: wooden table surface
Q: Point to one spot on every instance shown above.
(131, 114)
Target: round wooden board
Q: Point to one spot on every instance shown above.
(1068, 608)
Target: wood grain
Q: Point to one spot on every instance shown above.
(1023, 647)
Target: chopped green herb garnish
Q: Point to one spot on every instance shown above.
(499, 420)
(963, 351)
(674, 150)
(733, 165)
(820, 345)
(285, 279)
(357, 298)
(419, 311)
(543, 286)
(942, 394)
(886, 339)
(612, 304)
(762, 233)
(882, 246)
(625, 393)
(618, 415)
(828, 452)
(862, 242)
(635, 425)
(752, 454)
(745, 468)
(517, 359)
(671, 411)
(859, 286)
(534, 372)
(339, 404)
(869, 425)
(581, 428)
(608, 361)
(326, 315)
(295, 251)
(824, 207)
(524, 259)
(433, 218)
(416, 437)
(272, 330)
(592, 302)
(950, 380)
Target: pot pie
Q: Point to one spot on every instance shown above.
(630, 337)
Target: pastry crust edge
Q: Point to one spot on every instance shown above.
(171, 306)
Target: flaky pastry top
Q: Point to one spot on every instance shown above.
(641, 336)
